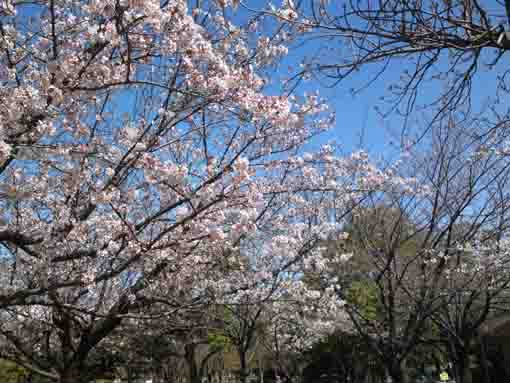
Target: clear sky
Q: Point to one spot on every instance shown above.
(357, 118)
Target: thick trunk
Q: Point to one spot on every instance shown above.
(399, 372)
(462, 370)
(243, 370)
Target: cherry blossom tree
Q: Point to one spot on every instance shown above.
(142, 148)
(113, 138)
(402, 242)
(472, 293)
(281, 314)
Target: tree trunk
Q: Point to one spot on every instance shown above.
(243, 370)
(484, 360)
(462, 370)
(398, 372)
(189, 351)
(261, 371)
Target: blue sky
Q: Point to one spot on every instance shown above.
(357, 116)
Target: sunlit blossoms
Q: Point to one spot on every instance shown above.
(143, 160)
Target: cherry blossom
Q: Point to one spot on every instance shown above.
(144, 159)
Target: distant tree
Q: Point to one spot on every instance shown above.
(411, 247)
